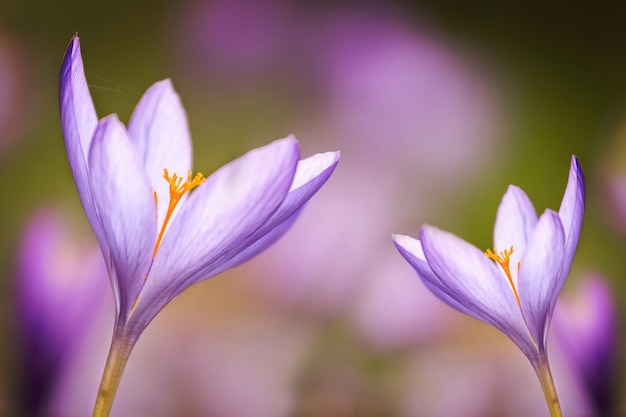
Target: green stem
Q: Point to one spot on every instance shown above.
(549, 390)
(119, 352)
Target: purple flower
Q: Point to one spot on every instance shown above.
(585, 328)
(58, 293)
(393, 87)
(157, 238)
(238, 37)
(515, 286)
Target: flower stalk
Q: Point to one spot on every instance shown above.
(549, 390)
(121, 346)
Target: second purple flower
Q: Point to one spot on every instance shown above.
(513, 287)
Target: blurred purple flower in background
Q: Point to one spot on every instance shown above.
(258, 360)
(236, 37)
(443, 372)
(154, 251)
(616, 190)
(395, 310)
(406, 97)
(398, 102)
(516, 293)
(585, 328)
(60, 282)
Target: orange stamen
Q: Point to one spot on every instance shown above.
(503, 259)
(178, 189)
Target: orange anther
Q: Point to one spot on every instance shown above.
(503, 259)
(178, 189)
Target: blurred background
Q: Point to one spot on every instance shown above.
(436, 108)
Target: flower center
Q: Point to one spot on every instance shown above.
(178, 189)
(503, 258)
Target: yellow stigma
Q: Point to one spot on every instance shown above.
(503, 258)
(178, 189)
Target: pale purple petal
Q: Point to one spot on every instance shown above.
(78, 123)
(311, 174)
(538, 284)
(571, 213)
(411, 249)
(124, 198)
(515, 222)
(474, 281)
(231, 205)
(158, 129)
(78, 115)
(247, 253)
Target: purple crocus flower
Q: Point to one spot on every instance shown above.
(585, 327)
(157, 238)
(515, 286)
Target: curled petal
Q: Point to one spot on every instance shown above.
(473, 280)
(539, 286)
(158, 128)
(411, 249)
(78, 115)
(571, 213)
(78, 123)
(311, 174)
(124, 200)
(249, 252)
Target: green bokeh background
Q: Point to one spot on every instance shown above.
(563, 66)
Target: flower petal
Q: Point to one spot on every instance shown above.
(411, 249)
(311, 174)
(515, 222)
(158, 129)
(231, 205)
(571, 213)
(245, 253)
(474, 281)
(539, 285)
(125, 202)
(78, 123)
